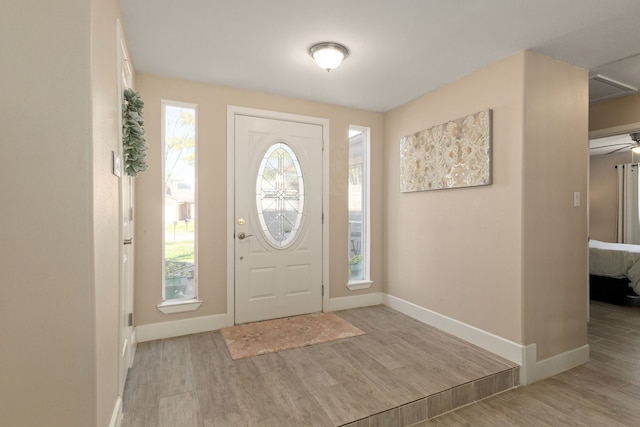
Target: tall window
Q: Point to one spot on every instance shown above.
(180, 221)
(358, 204)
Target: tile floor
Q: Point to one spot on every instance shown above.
(400, 373)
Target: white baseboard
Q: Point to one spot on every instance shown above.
(536, 371)
(176, 328)
(355, 301)
(134, 346)
(116, 416)
(530, 369)
(493, 343)
(156, 331)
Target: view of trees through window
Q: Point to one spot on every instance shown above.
(358, 142)
(179, 201)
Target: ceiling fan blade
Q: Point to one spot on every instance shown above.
(621, 148)
(626, 144)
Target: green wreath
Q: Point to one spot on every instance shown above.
(135, 148)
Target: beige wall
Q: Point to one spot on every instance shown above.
(616, 112)
(555, 232)
(472, 254)
(58, 255)
(48, 355)
(457, 252)
(212, 104)
(461, 252)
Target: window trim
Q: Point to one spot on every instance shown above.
(365, 282)
(184, 304)
(179, 306)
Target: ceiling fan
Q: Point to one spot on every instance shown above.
(619, 145)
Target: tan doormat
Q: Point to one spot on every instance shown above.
(269, 336)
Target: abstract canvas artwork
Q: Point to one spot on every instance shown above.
(451, 155)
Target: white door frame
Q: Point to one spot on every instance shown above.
(232, 111)
(126, 330)
(595, 134)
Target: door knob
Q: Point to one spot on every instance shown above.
(243, 236)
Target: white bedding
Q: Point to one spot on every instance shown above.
(615, 260)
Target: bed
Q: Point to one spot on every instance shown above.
(614, 272)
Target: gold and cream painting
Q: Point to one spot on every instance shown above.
(451, 155)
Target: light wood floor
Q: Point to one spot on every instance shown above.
(603, 392)
(392, 376)
(381, 379)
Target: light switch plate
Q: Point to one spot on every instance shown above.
(116, 165)
(576, 199)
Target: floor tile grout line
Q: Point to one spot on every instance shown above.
(513, 386)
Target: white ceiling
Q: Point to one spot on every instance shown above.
(400, 49)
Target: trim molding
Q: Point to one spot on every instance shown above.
(493, 343)
(231, 213)
(536, 371)
(355, 301)
(531, 370)
(176, 328)
(179, 306)
(134, 346)
(524, 355)
(358, 285)
(116, 416)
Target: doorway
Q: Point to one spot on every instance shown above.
(607, 147)
(276, 206)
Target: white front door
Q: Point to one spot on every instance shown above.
(126, 279)
(278, 218)
(127, 344)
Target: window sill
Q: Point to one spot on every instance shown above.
(359, 284)
(170, 307)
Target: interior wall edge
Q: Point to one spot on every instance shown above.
(534, 370)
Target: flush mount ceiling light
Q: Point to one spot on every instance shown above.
(328, 55)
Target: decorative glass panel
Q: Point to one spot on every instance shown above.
(280, 195)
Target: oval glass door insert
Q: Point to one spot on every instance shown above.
(280, 195)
